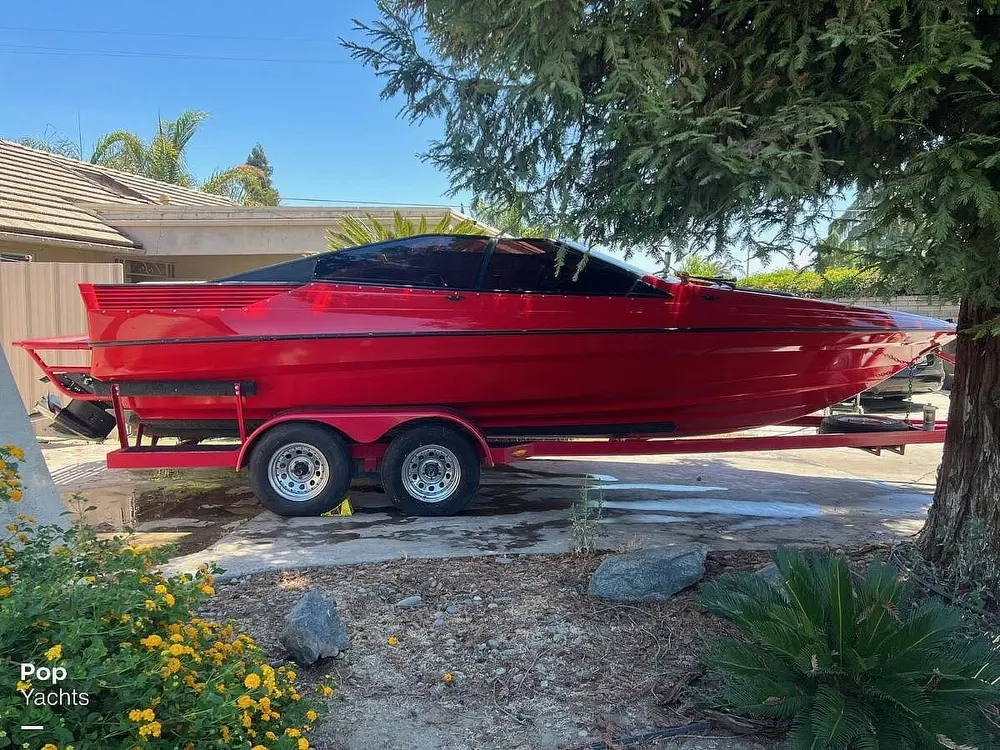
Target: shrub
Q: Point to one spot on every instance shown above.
(141, 670)
(846, 663)
(831, 283)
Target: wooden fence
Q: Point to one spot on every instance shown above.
(39, 300)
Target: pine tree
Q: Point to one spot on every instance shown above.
(740, 124)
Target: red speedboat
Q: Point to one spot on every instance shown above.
(523, 337)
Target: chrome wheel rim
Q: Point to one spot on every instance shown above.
(431, 473)
(298, 472)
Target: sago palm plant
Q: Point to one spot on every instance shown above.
(846, 663)
(352, 231)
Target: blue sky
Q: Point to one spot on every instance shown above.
(317, 113)
(273, 73)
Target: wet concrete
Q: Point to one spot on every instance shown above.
(834, 497)
(192, 510)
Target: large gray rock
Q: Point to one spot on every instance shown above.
(649, 575)
(41, 499)
(313, 631)
(771, 575)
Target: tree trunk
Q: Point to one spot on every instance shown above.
(968, 486)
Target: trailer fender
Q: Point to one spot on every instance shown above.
(367, 426)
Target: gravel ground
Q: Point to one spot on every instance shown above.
(535, 662)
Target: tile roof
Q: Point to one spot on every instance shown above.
(43, 194)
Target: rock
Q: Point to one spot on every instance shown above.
(438, 623)
(411, 601)
(313, 631)
(477, 598)
(453, 609)
(771, 574)
(649, 575)
(504, 561)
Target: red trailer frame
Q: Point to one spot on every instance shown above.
(367, 429)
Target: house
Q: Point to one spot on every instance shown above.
(64, 221)
(56, 209)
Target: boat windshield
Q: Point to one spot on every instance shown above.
(466, 262)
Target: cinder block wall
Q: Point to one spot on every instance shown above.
(911, 303)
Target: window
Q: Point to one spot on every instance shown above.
(436, 262)
(137, 271)
(530, 266)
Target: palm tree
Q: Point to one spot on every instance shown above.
(352, 231)
(246, 184)
(162, 158)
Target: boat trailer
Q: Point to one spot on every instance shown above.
(367, 426)
(370, 432)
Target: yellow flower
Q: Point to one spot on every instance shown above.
(22, 685)
(159, 589)
(5, 591)
(145, 714)
(23, 517)
(22, 538)
(173, 665)
(303, 744)
(326, 690)
(151, 641)
(169, 599)
(11, 527)
(246, 720)
(16, 496)
(177, 638)
(90, 579)
(293, 732)
(244, 701)
(53, 653)
(15, 452)
(312, 715)
(4, 570)
(448, 678)
(150, 605)
(258, 747)
(252, 681)
(49, 746)
(207, 589)
(151, 729)
(224, 731)
(270, 735)
(392, 641)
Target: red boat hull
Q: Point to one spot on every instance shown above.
(705, 360)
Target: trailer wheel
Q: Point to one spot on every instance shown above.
(300, 469)
(854, 423)
(430, 470)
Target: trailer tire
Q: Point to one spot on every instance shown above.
(855, 423)
(300, 469)
(430, 470)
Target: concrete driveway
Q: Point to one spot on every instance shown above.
(832, 497)
(742, 500)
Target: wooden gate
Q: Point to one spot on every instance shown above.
(39, 300)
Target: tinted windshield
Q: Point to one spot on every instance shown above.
(533, 266)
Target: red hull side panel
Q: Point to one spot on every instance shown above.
(706, 360)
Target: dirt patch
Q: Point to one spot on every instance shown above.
(536, 662)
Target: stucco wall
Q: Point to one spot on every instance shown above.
(205, 267)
